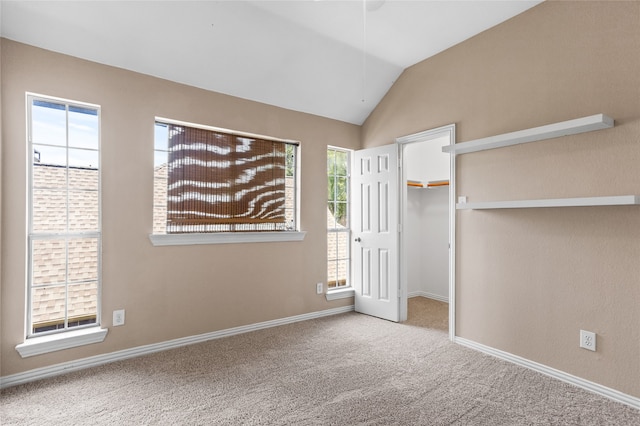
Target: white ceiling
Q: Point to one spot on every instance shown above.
(303, 55)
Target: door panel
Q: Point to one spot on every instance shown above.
(375, 228)
(384, 281)
(366, 271)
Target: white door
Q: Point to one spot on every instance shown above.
(375, 232)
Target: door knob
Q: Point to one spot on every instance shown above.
(358, 240)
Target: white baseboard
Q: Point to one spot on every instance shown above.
(428, 296)
(94, 361)
(67, 367)
(552, 372)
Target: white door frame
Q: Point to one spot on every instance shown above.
(450, 131)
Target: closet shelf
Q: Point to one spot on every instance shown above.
(564, 128)
(619, 200)
(430, 184)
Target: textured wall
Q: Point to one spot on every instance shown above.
(168, 292)
(2, 179)
(529, 280)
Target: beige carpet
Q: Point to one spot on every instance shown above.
(348, 369)
(429, 313)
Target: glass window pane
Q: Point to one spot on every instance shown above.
(341, 189)
(48, 123)
(161, 166)
(83, 303)
(290, 160)
(49, 210)
(331, 161)
(290, 218)
(159, 219)
(83, 158)
(160, 199)
(338, 243)
(332, 246)
(83, 128)
(84, 179)
(52, 177)
(83, 210)
(161, 137)
(341, 163)
(83, 110)
(331, 219)
(160, 159)
(83, 259)
(49, 155)
(342, 272)
(341, 215)
(343, 245)
(49, 262)
(332, 274)
(48, 307)
(64, 198)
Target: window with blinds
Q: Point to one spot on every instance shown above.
(209, 180)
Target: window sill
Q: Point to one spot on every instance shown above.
(342, 293)
(225, 238)
(55, 342)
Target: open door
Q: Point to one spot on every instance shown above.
(375, 231)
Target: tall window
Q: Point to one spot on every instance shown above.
(338, 228)
(209, 180)
(64, 215)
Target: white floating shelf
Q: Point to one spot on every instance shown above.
(619, 200)
(564, 128)
(428, 185)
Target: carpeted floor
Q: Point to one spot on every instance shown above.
(347, 369)
(428, 313)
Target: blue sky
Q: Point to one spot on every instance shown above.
(49, 135)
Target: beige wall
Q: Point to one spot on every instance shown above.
(2, 179)
(527, 281)
(168, 292)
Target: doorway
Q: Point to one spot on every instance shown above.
(428, 223)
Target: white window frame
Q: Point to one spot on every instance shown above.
(48, 341)
(233, 237)
(347, 290)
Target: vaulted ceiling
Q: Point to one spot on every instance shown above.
(335, 59)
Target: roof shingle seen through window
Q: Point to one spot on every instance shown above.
(49, 255)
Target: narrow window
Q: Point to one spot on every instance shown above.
(209, 180)
(64, 231)
(338, 227)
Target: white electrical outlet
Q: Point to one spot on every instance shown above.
(118, 317)
(462, 200)
(588, 340)
(319, 288)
